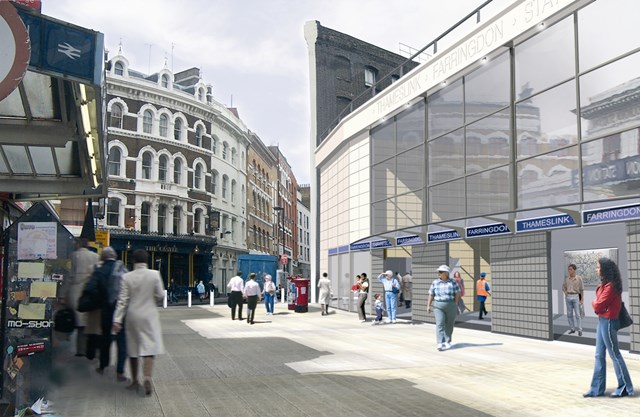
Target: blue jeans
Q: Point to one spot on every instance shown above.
(269, 300)
(391, 300)
(445, 312)
(607, 341)
(573, 310)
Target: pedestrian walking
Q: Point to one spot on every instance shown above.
(607, 306)
(444, 295)
(391, 290)
(83, 263)
(200, 289)
(482, 292)
(140, 292)
(236, 291)
(269, 294)
(461, 306)
(252, 293)
(379, 308)
(324, 297)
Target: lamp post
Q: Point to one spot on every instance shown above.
(280, 211)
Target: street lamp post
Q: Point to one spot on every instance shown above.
(280, 211)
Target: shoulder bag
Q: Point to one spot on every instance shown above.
(624, 317)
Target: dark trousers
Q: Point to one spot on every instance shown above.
(236, 301)
(483, 309)
(252, 302)
(378, 314)
(108, 338)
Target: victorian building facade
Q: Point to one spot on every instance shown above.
(177, 174)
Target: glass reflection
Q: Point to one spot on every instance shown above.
(486, 90)
(446, 201)
(446, 157)
(489, 142)
(383, 141)
(606, 31)
(549, 179)
(545, 60)
(384, 180)
(410, 127)
(409, 209)
(547, 121)
(611, 166)
(445, 110)
(488, 192)
(410, 167)
(610, 98)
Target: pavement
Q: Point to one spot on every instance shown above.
(306, 364)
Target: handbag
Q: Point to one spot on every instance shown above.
(624, 317)
(64, 320)
(395, 290)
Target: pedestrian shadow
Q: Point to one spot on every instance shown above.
(473, 345)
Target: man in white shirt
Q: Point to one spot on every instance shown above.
(236, 289)
(252, 292)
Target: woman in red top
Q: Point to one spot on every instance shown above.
(607, 307)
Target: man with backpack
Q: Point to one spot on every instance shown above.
(108, 276)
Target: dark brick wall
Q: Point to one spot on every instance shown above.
(340, 73)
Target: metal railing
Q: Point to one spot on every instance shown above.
(378, 86)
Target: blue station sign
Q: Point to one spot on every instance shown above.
(343, 249)
(360, 246)
(379, 244)
(409, 240)
(59, 48)
(543, 223)
(333, 251)
(487, 230)
(443, 236)
(611, 214)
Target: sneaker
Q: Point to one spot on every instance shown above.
(440, 346)
(579, 332)
(572, 331)
(393, 321)
(447, 345)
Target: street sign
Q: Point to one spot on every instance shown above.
(14, 49)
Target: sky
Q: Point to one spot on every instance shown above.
(253, 52)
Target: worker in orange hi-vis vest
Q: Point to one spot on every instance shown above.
(482, 292)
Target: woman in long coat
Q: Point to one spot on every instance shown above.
(324, 284)
(140, 292)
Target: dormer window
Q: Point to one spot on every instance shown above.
(165, 81)
(118, 69)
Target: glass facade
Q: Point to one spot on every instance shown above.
(551, 121)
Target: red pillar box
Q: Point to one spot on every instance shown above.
(302, 295)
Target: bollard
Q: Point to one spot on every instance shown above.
(164, 302)
(211, 302)
(189, 299)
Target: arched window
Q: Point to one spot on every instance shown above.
(233, 191)
(214, 182)
(197, 221)
(147, 122)
(176, 219)
(118, 69)
(343, 68)
(177, 171)
(177, 129)
(214, 145)
(199, 136)
(233, 156)
(145, 217)
(165, 81)
(197, 177)
(225, 186)
(113, 212)
(115, 156)
(164, 125)
(225, 149)
(162, 219)
(162, 168)
(147, 165)
(116, 116)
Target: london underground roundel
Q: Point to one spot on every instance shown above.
(15, 49)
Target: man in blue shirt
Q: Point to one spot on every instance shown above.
(444, 295)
